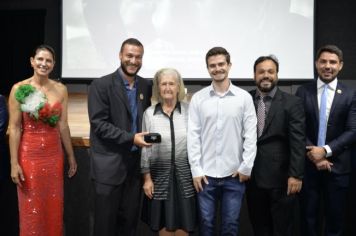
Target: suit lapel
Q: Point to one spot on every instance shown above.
(120, 90)
(313, 99)
(139, 98)
(337, 98)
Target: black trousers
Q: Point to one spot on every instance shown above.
(271, 211)
(331, 190)
(117, 208)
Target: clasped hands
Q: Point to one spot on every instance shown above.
(318, 156)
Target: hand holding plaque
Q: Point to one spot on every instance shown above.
(152, 138)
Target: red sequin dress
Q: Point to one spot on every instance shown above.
(41, 195)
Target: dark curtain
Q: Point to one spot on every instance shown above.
(21, 32)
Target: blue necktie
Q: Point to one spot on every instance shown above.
(322, 117)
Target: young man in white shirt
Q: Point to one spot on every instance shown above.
(221, 145)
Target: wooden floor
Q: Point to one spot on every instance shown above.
(78, 119)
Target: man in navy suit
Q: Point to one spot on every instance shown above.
(115, 105)
(330, 111)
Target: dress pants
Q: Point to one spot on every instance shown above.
(331, 189)
(117, 207)
(271, 211)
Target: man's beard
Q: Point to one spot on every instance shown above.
(326, 81)
(123, 67)
(266, 89)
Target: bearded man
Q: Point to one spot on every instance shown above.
(279, 164)
(330, 112)
(116, 103)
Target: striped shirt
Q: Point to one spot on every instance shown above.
(160, 158)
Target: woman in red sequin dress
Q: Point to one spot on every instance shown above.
(38, 127)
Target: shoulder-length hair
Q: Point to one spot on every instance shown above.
(156, 97)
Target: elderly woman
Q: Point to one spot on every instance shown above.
(169, 204)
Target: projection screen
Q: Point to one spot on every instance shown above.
(178, 33)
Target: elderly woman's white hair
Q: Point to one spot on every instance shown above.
(156, 97)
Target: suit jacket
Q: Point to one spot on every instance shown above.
(110, 118)
(4, 152)
(281, 147)
(3, 119)
(341, 127)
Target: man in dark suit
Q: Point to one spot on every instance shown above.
(4, 158)
(116, 103)
(279, 165)
(330, 111)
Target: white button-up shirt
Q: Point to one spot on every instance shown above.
(221, 132)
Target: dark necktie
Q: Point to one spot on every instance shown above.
(261, 115)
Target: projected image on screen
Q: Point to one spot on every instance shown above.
(178, 33)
